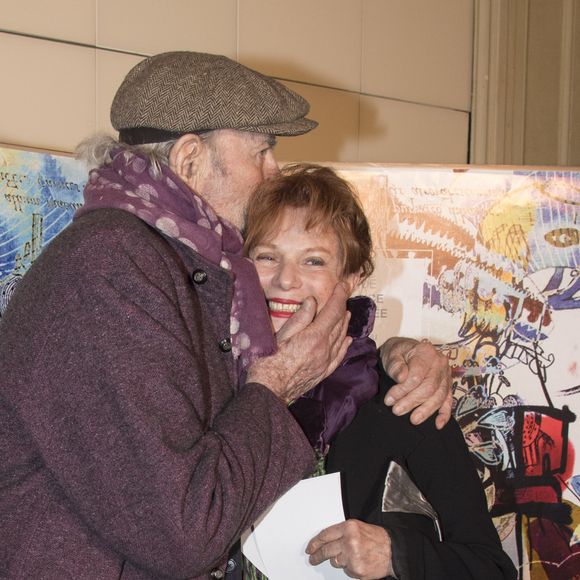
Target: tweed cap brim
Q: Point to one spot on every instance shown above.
(186, 92)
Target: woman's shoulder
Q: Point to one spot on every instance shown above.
(401, 424)
(378, 430)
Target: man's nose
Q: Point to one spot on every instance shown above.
(270, 167)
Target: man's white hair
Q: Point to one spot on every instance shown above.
(97, 151)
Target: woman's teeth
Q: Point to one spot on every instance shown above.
(282, 307)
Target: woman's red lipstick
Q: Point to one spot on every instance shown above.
(282, 307)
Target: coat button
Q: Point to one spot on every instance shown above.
(199, 277)
(225, 345)
(217, 573)
(231, 565)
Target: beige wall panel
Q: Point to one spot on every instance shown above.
(111, 70)
(152, 26)
(50, 100)
(335, 138)
(397, 132)
(316, 42)
(543, 78)
(72, 20)
(418, 50)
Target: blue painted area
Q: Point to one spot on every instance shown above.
(575, 481)
(39, 194)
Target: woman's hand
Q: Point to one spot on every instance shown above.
(423, 376)
(362, 550)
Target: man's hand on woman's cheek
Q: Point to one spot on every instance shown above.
(423, 379)
(298, 321)
(310, 354)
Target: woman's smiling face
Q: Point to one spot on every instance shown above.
(294, 263)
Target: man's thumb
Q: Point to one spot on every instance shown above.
(299, 321)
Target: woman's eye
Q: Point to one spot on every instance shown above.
(315, 262)
(264, 258)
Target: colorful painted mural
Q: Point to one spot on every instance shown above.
(39, 193)
(486, 263)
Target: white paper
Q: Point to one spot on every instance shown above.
(276, 542)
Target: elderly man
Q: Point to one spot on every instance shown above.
(143, 409)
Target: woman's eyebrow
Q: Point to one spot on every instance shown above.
(265, 245)
(318, 249)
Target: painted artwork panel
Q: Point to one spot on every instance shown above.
(483, 262)
(495, 257)
(39, 193)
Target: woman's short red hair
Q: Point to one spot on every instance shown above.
(331, 203)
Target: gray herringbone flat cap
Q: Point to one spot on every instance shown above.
(174, 93)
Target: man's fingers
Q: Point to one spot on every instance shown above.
(422, 394)
(339, 328)
(423, 387)
(309, 349)
(411, 382)
(445, 412)
(332, 321)
(426, 386)
(424, 407)
(335, 307)
(397, 369)
(339, 343)
(394, 353)
(298, 321)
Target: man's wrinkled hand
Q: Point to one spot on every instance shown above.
(308, 350)
(362, 550)
(298, 321)
(423, 376)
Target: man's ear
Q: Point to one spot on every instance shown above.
(185, 157)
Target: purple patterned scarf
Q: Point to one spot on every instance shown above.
(167, 204)
(331, 405)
